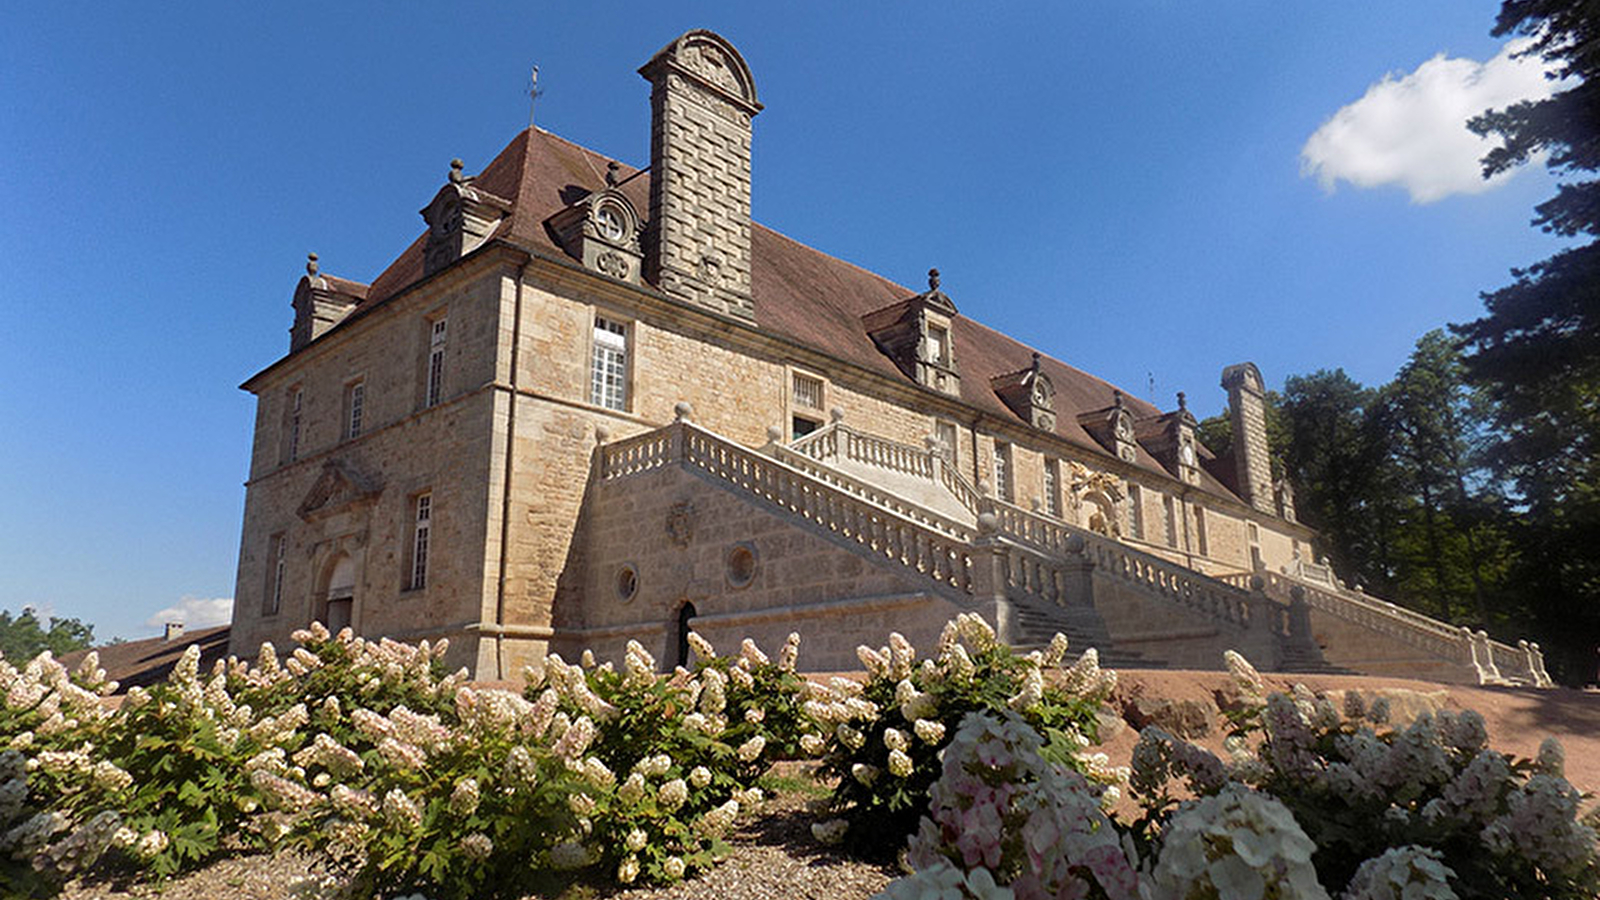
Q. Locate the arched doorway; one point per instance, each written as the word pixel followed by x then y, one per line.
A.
pixel 685 613
pixel 337 606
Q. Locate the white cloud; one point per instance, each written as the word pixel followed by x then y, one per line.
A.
pixel 195 612
pixel 1411 130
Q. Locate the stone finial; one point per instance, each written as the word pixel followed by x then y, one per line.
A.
pixel 988 524
pixel 682 411
pixel 933 279
pixel 774 434
pixel 611 173
pixel 601 434
pixel 1258 585
pixel 311 265
pixel 1116 399
pixel 1183 402
pixel 836 414
pixel 456 175
pixel 932 442
pixel 1075 543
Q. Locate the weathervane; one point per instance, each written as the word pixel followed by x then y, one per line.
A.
pixel 533 94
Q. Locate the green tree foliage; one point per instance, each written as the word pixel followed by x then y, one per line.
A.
pixel 23 637
pixel 1535 349
pixel 1336 465
pixel 1449 543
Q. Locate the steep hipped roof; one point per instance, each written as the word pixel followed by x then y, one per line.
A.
pixel 800 293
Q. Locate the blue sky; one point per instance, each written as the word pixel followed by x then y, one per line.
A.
pixel 1124 185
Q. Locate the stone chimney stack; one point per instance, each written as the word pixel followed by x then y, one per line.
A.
pixel 1247 404
pixel 174 631
pixel 697 244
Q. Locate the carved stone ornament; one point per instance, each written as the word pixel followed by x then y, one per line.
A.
pixel 680 523
pixel 611 263
pixel 337 488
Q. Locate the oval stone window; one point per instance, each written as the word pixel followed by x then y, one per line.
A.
pixel 741 565
pixel 627 583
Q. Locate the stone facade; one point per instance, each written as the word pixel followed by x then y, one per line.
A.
pixel 479 445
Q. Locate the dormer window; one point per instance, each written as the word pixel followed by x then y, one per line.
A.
pixel 602 231
pixel 916 334
pixel 1169 437
pixel 460 218
pixel 1030 394
pixel 1113 428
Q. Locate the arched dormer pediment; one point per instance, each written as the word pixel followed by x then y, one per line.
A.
pixel 602 231
pixel 1030 394
pixel 1112 427
pixel 709 59
pixel 460 218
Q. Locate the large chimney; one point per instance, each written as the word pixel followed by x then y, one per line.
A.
pixel 697 245
pixel 1247 405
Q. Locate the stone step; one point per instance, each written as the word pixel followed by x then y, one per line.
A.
pixel 1036 626
pixel 1302 662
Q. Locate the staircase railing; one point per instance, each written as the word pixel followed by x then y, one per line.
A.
pixel 839 441
pixel 1494 662
pixel 1209 596
pixel 870 492
pixel 946 559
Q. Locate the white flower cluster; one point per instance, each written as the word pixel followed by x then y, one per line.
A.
pixel 1402 873
pixel 1237 844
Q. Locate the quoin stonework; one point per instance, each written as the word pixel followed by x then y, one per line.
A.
pixel 593 403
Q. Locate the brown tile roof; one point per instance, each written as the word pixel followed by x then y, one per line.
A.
pixel 149 661
pixel 800 293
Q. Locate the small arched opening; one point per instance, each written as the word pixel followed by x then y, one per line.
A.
pixel 1102 514
pixel 686 613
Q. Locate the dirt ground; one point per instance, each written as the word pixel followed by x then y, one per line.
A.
pixel 1518 718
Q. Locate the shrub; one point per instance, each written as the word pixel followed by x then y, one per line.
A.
pixel 1036 827
pixel 1488 825
pixel 884 737
pixel 676 758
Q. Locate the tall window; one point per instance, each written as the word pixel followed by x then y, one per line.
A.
pixel 421 527
pixel 1002 471
pixel 1200 531
pixel 272 598
pixel 1135 512
pixel 436 336
pixel 297 398
pixel 946 432
pixel 1169 521
pixel 609 378
pixel 938 345
pixel 1052 487
pixel 355 397
pixel 806 399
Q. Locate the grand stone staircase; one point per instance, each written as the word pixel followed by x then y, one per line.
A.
pixel 906 507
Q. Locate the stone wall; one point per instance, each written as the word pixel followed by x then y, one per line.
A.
pixel 658 540
pixel 403 450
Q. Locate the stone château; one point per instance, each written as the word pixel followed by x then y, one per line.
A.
pixel 593 404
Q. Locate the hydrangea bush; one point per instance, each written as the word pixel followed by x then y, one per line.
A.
pixel 1472 822
pixel 882 738
pixel 1000 808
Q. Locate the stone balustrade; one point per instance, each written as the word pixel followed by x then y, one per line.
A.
pixel 946 559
